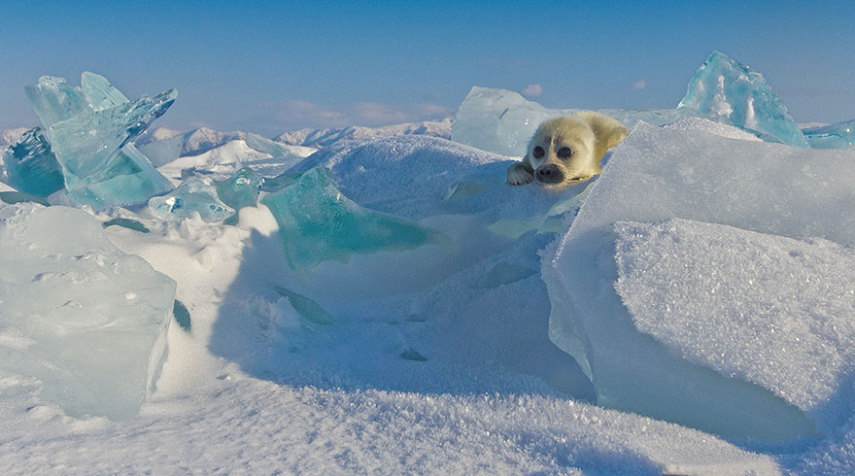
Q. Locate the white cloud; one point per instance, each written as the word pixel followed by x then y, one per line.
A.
pixel 639 84
pixel 532 90
pixel 307 114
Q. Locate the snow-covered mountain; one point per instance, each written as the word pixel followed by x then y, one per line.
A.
pixel 327 137
pixel 163 145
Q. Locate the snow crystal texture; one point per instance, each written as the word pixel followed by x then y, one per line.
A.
pixel 764 308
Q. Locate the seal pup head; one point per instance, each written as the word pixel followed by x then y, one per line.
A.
pixel 567 150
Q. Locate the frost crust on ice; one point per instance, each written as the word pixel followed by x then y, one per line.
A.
pixel 380 360
pixel 84 318
pixel 767 309
pixel 659 174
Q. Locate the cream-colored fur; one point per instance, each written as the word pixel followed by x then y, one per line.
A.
pixel 567 150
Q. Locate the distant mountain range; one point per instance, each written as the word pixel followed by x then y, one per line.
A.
pixel 164 145
pixel 325 137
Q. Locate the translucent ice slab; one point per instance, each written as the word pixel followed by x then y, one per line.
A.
pixel 128 179
pixel 193 196
pixel 835 136
pixel 78 314
pixel 241 190
pixel 90 129
pixel 727 91
pixel 318 223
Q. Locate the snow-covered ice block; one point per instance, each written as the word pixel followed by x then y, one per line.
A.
pixel 502 121
pixel 90 129
pixel 834 136
pixel 78 314
pixel 676 172
pixel 193 196
pixel 727 91
pixel 763 308
pixel 31 165
pixel 319 223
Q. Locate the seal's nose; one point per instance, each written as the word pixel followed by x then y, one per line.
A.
pixel 549 174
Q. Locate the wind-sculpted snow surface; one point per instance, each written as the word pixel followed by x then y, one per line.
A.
pixel 337 209
pixel 679 279
pixel 78 314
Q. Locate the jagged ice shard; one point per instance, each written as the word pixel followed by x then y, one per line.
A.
pixel 193 196
pixel 32 166
pixel 319 223
pixel 90 130
pixel 834 136
pixel 709 287
pixel 725 90
pixel 241 190
pixel 86 319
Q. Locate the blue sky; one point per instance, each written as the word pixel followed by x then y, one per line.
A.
pixel 269 67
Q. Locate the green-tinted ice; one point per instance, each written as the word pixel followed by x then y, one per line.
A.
pixel 32 166
pixel 730 92
pixel 834 136
pixel 318 223
pixel 241 190
pixel 194 195
pixel 90 129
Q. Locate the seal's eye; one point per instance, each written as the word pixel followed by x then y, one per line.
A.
pixel 538 152
pixel 564 152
